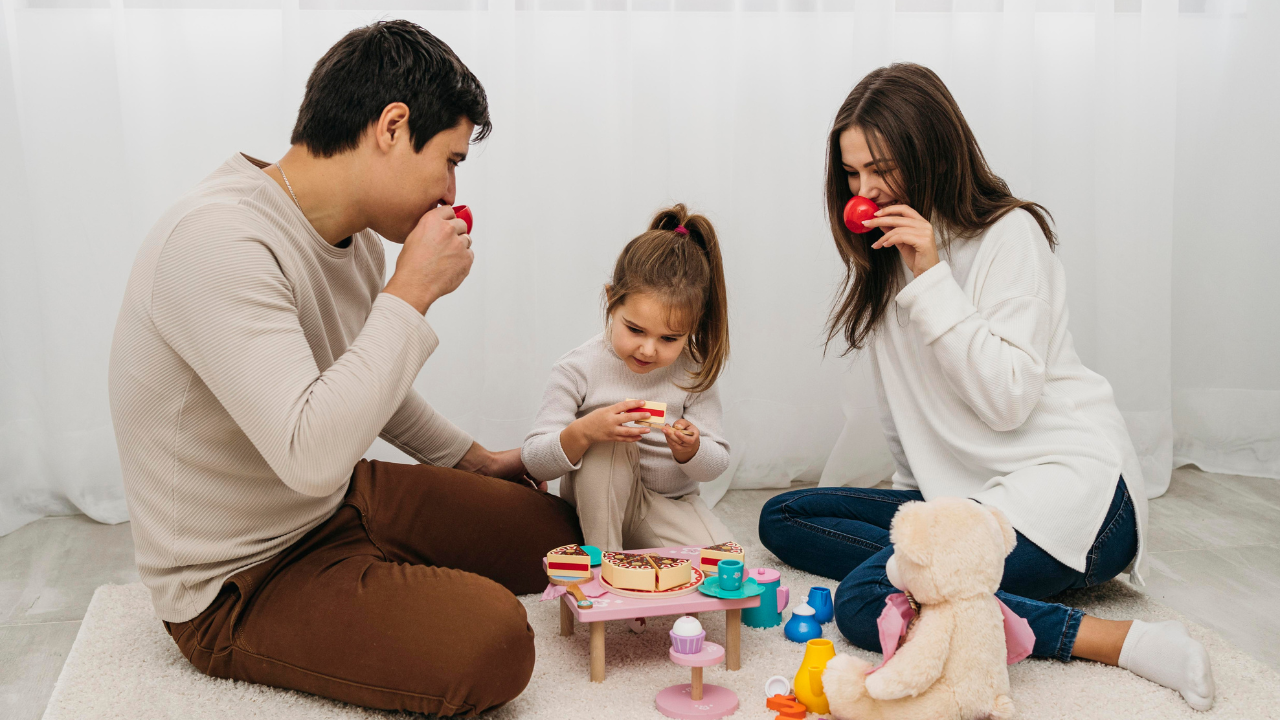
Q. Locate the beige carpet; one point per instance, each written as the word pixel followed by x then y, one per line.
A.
pixel 123 665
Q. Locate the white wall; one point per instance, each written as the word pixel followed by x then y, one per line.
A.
pixel 1148 134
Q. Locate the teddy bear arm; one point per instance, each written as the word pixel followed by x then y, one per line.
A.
pixel 918 664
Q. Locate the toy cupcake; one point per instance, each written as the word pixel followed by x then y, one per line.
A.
pixel 687 635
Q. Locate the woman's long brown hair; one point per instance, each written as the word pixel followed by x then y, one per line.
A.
pixel 685 271
pixel 910 120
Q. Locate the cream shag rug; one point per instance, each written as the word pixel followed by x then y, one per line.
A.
pixel 123 665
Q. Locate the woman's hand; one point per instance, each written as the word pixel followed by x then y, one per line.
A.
pixel 608 424
pixel 683 447
pixel 906 230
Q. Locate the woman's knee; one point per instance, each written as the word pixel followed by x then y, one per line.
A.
pixel 773 522
pixel 858 603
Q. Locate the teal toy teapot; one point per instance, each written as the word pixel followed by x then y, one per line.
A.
pixel 772 602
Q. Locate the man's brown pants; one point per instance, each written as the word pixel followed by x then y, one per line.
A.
pixel 401 601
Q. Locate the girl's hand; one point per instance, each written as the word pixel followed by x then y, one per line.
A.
pixel 683 447
pixel 608 424
pixel 910 233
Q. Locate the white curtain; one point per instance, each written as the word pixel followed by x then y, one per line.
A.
pixel 1146 126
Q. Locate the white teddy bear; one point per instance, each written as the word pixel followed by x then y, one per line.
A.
pixel 949 556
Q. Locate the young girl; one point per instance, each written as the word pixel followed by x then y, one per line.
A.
pixel 961 301
pixel 666 340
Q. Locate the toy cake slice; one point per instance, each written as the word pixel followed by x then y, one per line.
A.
pixel 711 556
pixel 569 561
pixel 657 413
pixel 645 572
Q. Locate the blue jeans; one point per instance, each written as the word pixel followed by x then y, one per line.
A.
pixel 843 534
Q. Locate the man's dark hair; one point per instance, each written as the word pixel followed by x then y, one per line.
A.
pixel 383 63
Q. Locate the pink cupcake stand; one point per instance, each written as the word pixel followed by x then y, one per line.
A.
pixel 694 700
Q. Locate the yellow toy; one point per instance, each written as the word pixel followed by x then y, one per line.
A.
pixel 808 683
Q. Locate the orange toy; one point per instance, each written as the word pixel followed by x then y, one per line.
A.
pixel 787 706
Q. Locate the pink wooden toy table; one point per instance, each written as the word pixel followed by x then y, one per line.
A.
pixel 614 607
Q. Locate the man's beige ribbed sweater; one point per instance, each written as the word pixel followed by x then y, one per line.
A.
pixel 253 364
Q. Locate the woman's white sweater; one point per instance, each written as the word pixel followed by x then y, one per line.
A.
pixel 982 394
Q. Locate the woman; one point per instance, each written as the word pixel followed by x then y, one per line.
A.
pixel 980 389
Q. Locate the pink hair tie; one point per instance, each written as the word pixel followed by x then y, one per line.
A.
pixel 681 231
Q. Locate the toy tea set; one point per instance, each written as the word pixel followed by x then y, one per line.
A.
pixel 948 561
pixel 671 580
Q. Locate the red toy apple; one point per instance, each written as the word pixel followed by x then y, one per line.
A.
pixel 463 213
pixel 856 211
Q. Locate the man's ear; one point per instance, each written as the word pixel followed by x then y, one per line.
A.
pixel 909 532
pixel 392 126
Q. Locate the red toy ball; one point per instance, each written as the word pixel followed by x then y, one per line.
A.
pixel 463 213
pixel 856 211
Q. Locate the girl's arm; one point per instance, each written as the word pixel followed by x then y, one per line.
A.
pixel 560 438
pixel 541 451
pixel 703 411
pixel 994 357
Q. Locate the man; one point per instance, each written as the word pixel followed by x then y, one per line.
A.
pixel 256 357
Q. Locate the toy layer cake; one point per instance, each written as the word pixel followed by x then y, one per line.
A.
pixel 711 556
pixel 657 413
pixel 644 572
pixel 569 561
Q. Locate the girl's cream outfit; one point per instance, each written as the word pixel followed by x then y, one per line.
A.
pixel 982 394
pixel 630 495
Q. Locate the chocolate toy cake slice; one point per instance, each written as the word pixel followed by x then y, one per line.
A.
pixel 711 556
pixel 569 561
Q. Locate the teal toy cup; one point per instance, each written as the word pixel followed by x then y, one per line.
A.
pixel 772 602
pixel 594 553
pixel 730 575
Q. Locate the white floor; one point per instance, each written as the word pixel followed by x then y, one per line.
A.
pixel 1214 542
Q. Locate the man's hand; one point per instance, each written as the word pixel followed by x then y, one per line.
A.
pixel 504 464
pixel 608 424
pixel 435 260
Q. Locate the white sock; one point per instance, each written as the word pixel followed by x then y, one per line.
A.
pixel 1164 653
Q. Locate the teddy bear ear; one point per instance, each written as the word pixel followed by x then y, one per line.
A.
pixel 1006 529
pixel 909 532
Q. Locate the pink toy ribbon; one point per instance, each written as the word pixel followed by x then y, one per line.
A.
pixel 897 615
pixel 591 589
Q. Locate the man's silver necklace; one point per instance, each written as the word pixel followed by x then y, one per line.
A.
pixel 286 184
pixel 295 199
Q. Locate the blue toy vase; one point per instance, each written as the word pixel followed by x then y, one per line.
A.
pixel 802 627
pixel 820 600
